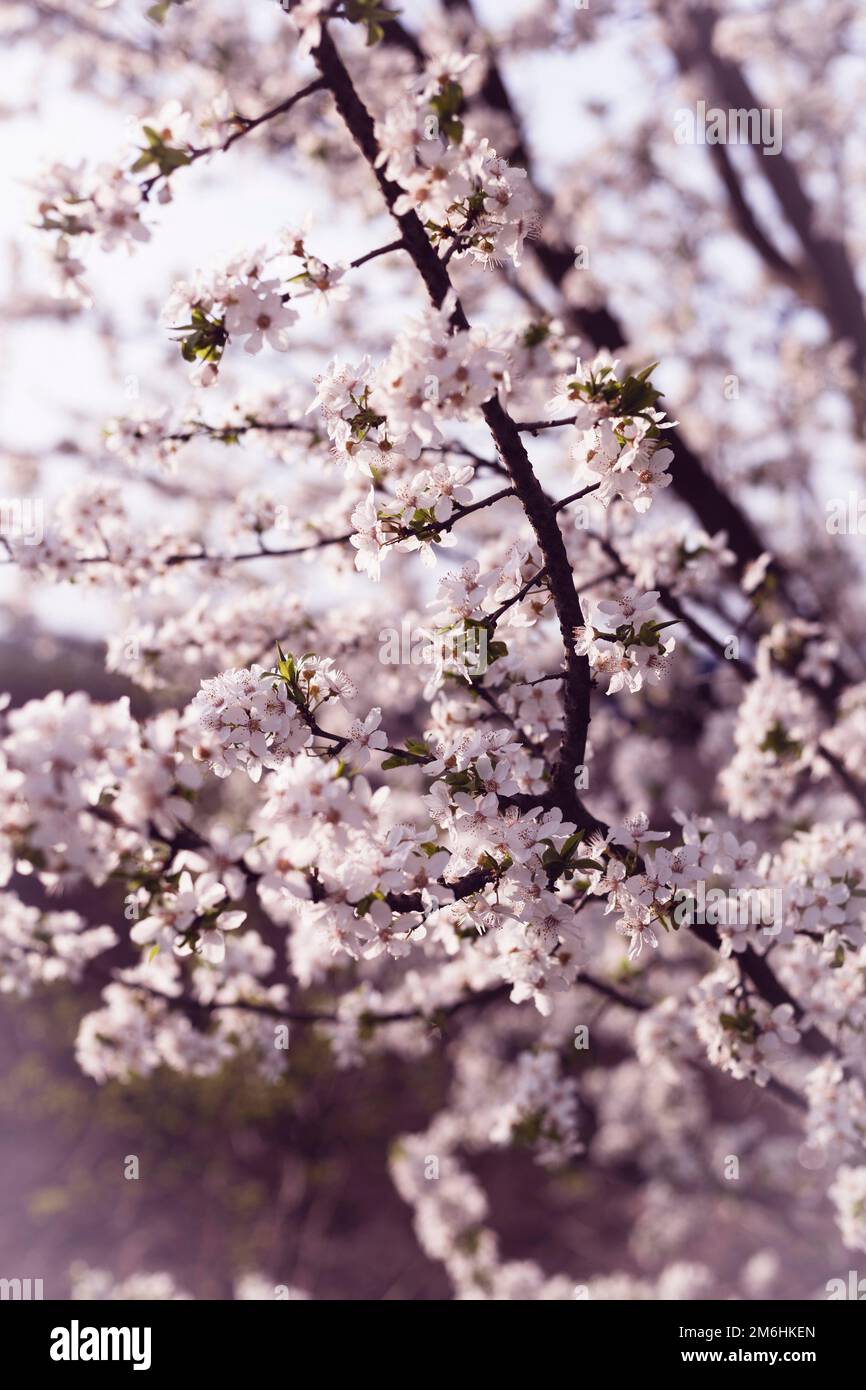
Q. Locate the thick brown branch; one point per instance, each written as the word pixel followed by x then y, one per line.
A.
pixel 577 684
pixel 826 256
pixel 691 478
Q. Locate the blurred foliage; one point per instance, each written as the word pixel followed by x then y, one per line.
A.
pixel 235 1173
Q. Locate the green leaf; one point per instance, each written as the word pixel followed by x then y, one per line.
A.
pixel 637 393
pixel 415 745
pixel 397 760
pixel 742 1023
pixel 371 14
pixel 570 845
pixel 535 334
pixel 286 666
pixel 647 372
pixel 778 742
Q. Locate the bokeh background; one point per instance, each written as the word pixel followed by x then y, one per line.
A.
pixel 289 1180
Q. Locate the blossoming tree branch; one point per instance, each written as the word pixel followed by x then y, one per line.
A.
pixel 597 837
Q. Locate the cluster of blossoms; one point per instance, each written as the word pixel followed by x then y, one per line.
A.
pixel 622 642
pixel 450 1208
pixel 376 882
pixel 93 537
pixel 776 735
pixel 746 1036
pixel 804 649
pixel 450 1219
pixel 379 420
pixel 430 497
pixel 206 636
pixel 472 593
pixel 849 1195
pixel 462 640
pixel 246 299
pixel 85 785
pixel 177 919
pixel 470 200
pixel 378 417
pixel 41 948
pixel 836 1123
pixel 618 449
pixel 90 1285
pixel 681 558
pixel 313 817
pixel 541 1110
pixel 657 887
pixel 157 434
pixel 246 719
pixel 742 1035
pixel 106 203
pixel 148 1013
pixel 210 634
pixel 847 739
pixel 414 519
pixel 822 871
pixel 242 299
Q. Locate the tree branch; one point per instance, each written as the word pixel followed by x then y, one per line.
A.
pixel 506 435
